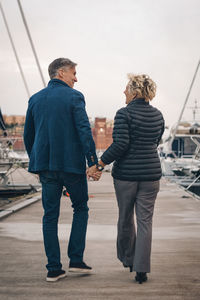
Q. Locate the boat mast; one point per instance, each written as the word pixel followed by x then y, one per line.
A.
pixel 186 100
pixel 15 52
pixel 194 110
pixel 31 42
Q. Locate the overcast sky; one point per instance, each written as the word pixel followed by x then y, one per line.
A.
pixel 108 39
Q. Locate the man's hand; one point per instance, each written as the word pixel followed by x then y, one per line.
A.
pixel 94 173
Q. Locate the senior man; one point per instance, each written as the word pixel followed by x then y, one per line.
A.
pixel 58 140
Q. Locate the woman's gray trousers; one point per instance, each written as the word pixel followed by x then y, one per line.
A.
pixel 134 246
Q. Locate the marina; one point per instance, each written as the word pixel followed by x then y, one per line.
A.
pixel 107 49
pixel 176 238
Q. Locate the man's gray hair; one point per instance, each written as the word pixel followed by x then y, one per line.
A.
pixel 59 63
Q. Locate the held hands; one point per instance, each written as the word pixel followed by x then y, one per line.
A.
pixel 94 173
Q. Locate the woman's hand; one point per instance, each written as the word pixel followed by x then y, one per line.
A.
pixel 94 173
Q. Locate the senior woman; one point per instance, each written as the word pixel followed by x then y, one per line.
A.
pixel 138 129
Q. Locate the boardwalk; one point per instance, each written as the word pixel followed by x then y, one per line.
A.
pixel 175 254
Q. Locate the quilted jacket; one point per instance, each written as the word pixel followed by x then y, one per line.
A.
pixel 138 129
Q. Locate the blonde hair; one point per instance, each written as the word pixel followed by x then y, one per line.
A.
pixel 143 85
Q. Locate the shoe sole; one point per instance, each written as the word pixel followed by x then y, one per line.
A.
pixel 78 270
pixel 53 279
pixel 141 281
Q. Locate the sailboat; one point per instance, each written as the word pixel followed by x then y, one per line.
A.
pixel 10 161
pixel 180 151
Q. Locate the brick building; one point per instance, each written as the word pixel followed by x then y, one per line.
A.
pixel 102 133
pixel 15 128
pixel 17 120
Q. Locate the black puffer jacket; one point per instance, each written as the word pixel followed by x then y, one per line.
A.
pixel 138 128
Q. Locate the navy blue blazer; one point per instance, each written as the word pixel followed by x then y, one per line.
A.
pixel 57 133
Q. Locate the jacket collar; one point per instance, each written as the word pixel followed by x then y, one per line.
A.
pixel 57 81
pixel 140 101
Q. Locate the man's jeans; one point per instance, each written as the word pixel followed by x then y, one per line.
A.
pixel 52 186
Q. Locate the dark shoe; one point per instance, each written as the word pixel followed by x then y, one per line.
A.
pixel 141 277
pixel 55 275
pixel 130 267
pixel 79 267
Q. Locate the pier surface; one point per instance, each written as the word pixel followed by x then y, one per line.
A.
pixel 175 270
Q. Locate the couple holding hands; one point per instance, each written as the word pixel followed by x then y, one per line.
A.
pixel 59 141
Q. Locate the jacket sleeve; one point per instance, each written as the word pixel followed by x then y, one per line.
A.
pixel 162 131
pixel 29 131
pixel 84 131
pixel 120 138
